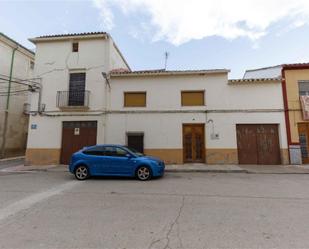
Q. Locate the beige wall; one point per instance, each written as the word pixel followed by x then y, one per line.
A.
pixel 292 77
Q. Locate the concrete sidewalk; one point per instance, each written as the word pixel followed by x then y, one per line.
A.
pixel 196 167
pixel 250 169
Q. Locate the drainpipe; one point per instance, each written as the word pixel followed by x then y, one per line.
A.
pixel 40 96
pixel 106 102
pixel 6 112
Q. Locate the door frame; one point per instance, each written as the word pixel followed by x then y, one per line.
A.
pixel 183 141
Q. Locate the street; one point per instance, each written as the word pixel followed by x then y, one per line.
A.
pixel 50 209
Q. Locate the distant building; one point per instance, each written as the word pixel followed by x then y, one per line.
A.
pixel 266 72
pixel 19 65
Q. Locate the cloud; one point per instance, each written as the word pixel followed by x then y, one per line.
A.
pixel 179 21
pixel 106 15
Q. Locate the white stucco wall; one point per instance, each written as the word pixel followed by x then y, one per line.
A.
pixel 164 131
pixel 164 93
pixel 227 105
pixel 48 132
pixel 116 59
pixel 54 63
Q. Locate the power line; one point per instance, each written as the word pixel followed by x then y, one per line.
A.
pixel 17 82
pixel 18 79
pixel 13 92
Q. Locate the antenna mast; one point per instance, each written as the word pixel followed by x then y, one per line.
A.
pixel 166 55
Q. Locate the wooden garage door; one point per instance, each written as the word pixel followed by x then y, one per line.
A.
pixel 258 144
pixel 75 136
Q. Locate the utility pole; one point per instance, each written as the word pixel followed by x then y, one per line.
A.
pixel 6 112
pixel 166 55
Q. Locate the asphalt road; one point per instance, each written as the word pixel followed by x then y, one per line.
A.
pixel 182 210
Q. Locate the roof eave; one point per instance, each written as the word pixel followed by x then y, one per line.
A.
pixel 69 37
pixel 254 81
pixel 139 74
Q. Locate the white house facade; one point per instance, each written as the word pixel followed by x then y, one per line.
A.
pixel 16 64
pixel 71 68
pixel 168 126
pixel 90 96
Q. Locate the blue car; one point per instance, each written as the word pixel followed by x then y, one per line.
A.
pixel 114 160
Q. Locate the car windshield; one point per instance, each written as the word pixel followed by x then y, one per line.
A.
pixel 134 151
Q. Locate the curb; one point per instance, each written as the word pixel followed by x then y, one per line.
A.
pixel 12 158
pixel 277 173
pixel 205 171
pixel 232 171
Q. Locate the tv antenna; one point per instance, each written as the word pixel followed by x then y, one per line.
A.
pixel 166 55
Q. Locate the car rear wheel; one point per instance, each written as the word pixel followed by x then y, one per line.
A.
pixel 81 172
pixel 143 173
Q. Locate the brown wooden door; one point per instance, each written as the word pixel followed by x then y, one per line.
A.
pixel 303 132
pixel 246 144
pixel 75 136
pixel 258 144
pixel 193 143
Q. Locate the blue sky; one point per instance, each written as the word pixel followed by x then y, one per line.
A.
pixel 201 34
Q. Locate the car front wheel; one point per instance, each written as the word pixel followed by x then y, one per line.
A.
pixel 81 172
pixel 143 173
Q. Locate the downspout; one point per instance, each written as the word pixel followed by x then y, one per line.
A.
pixel 40 97
pixel 106 102
pixel 6 112
pixel 286 111
pixel 286 108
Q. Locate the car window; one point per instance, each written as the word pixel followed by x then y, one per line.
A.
pixel 120 152
pixel 109 151
pixel 134 151
pixel 96 151
pixel 114 151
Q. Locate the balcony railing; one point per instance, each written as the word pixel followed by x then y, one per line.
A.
pixel 71 99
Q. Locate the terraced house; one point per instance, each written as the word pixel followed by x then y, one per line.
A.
pixel 90 95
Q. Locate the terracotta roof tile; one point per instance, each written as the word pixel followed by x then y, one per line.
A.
pixel 166 72
pixel 257 80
